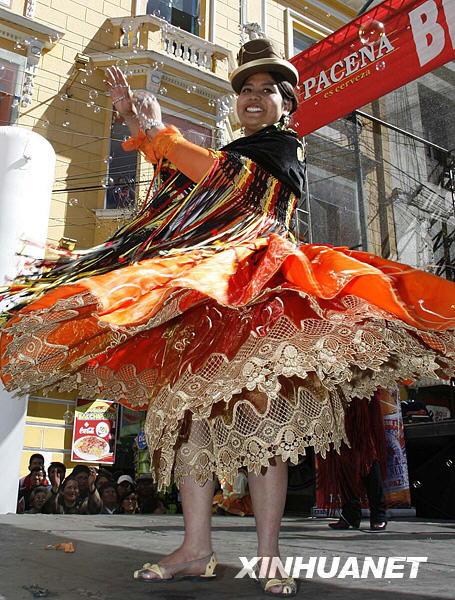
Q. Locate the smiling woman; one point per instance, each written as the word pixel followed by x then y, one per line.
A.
pixel 242 345
pixel 65 499
pixel 260 102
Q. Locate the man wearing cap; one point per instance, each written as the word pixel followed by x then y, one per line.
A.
pixel 125 485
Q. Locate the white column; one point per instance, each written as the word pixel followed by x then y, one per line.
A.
pixel 264 17
pixel 12 422
pixel 26 178
pixel 212 25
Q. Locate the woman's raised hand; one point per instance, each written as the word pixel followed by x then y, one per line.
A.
pixel 122 96
pixel 56 479
pixel 148 110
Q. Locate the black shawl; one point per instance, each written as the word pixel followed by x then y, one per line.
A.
pixel 279 151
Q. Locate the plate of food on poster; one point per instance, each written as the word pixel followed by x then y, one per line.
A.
pixel 91 447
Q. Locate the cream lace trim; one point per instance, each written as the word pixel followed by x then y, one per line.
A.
pixel 255 429
pixel 351 351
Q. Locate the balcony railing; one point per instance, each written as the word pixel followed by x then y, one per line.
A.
pixel 148 32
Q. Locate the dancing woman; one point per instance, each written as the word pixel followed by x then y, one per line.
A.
pixel 241 345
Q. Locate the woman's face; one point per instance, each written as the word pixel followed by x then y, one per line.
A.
pixel 129 504
pixel 71 492
pixel 260 103
pixel 39 500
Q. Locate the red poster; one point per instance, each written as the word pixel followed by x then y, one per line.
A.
pixel 387 47
pixel 95 423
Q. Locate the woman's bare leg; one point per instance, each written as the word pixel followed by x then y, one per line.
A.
pixel 268 494
pixel 197 519
pixel 197 507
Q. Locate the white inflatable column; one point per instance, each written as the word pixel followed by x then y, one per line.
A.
pixel 26 177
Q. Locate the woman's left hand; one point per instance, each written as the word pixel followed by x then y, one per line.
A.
pixel 148 111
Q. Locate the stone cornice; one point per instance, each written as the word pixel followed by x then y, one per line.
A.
pixel 11 21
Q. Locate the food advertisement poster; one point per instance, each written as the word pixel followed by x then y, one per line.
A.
pixel 95 423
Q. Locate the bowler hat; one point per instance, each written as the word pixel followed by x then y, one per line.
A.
pixel 257 56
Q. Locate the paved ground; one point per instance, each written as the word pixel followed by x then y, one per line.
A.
pixel 110 548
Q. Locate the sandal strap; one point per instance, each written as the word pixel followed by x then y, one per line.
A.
pixel 161 570
pixel 288 582
pixel 155 569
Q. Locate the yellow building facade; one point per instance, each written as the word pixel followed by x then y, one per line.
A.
pixel 56 53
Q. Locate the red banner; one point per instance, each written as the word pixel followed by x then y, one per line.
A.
pixel 95 423
pixel 385 48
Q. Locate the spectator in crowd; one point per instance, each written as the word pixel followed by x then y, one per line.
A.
pixel 37 478
pixel 125 485
pixel 81 474
pixel 38 498
pixel 65 498
pixel 109 498
pixel 36 460
pixel 345 476
pixel 148 501
pixel 235 498
pixel 56 465
pixel 104 476
pixel 128 504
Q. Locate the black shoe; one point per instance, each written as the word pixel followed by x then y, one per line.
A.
pixel 342 524
pixel 380 526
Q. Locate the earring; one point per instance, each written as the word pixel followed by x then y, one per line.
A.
pixel 286 120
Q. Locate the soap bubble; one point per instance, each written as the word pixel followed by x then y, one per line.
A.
pixel 66 123
pixel 380 66
pixel 122 62
pixel 73 202
pixel 417 484
pixel 371 32
pixel 93 94
pixel 108 159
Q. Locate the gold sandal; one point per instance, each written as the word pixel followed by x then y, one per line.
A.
pixel 163 571
pixel 288 585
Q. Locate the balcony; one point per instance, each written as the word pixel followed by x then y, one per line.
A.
pixel 150 33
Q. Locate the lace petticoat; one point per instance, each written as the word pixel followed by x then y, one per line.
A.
pixel 253 429
pixel 279 391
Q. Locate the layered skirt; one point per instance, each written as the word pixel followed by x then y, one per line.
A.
pixel 240 354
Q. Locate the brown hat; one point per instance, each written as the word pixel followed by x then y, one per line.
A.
pixel 257 56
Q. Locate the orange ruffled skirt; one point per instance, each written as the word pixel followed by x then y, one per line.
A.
pixel 240 354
